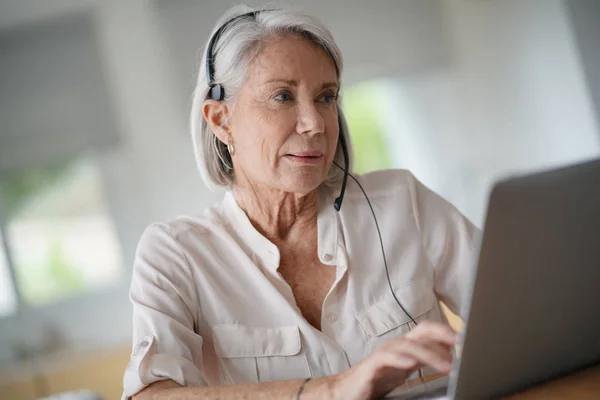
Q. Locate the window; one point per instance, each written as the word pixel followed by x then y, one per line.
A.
pixel 59 240
pixel 409 123
pixel 59 237
pixel 362 109
pixel 8 297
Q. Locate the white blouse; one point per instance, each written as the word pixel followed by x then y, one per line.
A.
pixel 210 307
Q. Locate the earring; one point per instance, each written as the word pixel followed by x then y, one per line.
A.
pixel 230 149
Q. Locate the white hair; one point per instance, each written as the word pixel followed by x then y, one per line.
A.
pixel 233 52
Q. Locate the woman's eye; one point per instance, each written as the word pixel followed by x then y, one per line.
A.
pixel 283 96
pixel 329 98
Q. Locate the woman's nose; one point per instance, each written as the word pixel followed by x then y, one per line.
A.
pixel 310 121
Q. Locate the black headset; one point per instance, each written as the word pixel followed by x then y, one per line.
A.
pixel 216 91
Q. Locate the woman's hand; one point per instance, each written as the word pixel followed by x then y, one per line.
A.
pixel 429 344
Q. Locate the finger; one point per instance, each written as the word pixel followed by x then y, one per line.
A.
pixel 407 354
pixel 443 345
pixel 427 354
pixel 442 349
pixel 432 331
pixel 397 360
pixel 389 370
pixel 432 328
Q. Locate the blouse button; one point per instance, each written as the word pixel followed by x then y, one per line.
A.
pixel 327 257
pixel 331 317
pixel 141 347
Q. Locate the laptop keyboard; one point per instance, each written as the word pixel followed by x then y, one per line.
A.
pixel 439 394
pixel 436 389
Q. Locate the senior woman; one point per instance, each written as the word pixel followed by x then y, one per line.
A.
pixel 272 293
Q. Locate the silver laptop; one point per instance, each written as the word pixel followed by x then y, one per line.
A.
pixel 535 303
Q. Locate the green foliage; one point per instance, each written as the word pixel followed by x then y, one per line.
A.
pixel 362 108
pixel 17 187
pixel 52 279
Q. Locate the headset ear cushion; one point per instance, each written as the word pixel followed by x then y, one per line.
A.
pixel 216 92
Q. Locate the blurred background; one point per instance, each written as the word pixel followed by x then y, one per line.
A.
pixel 94 143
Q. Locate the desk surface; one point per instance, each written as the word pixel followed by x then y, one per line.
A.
pixel 583 385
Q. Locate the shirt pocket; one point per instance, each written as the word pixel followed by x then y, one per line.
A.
pixel 385 320
pixel 259 354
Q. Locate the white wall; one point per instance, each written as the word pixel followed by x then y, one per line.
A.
pixel 53 100
pixel 514 99
pixel 523 95
pixel 377 38
pixel 18 13
pixel 585 22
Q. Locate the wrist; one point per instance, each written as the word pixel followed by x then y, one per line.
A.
pixel 333 387
pixel 337 386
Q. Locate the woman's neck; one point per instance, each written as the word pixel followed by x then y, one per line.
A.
pixel 277 214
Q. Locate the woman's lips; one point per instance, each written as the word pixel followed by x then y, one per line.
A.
pixel 309 153
pixel 306 157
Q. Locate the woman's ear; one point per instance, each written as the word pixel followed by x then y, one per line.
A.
pixel 216 114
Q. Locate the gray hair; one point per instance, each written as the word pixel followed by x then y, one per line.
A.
pixel 233 52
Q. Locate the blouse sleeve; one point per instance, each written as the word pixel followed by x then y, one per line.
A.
pixel 165 345
pixel 450 241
